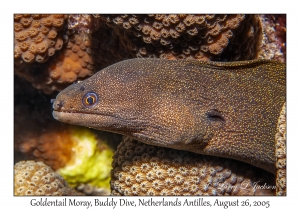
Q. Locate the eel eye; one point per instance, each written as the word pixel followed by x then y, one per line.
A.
pixel 90 99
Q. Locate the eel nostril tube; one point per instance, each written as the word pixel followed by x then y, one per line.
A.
pixel 58 105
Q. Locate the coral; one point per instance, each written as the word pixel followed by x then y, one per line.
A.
pixel 82 23
pixel 32 118
pixel 75 153
pixel 37 37
pixel 280 153
pixel 80 57
pixel 36 178
pixel 53 146
pixel 274 37
pixel 88 43
pixel 73 63
pixel 140 169
pixel 87 189
pixel 202 37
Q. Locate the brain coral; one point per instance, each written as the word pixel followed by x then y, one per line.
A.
pixel 36 178
pixel 140 169
pixel 202 37
pixel 37 37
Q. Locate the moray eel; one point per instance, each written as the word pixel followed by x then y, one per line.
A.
pixel 225 109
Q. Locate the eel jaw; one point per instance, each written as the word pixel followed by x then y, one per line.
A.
pixel 134 129
pixel 68 117
pixel 99 121
pixel 60 116
pixel 96 121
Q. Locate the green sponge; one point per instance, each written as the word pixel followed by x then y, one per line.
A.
pixel 91 162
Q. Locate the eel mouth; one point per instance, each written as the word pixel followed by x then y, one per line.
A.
pixel 81 118
pixel 91 120
pixel 99 121
pixel 60 115
pixel 67 116
pixel 134 128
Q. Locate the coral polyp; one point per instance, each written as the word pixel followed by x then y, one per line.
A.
pixel 52 51
pixel 36 178
pixel 197 175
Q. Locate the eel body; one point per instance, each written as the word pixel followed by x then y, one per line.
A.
pixel 227 109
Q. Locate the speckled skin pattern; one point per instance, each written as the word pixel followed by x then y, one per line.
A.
pixel 225 109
